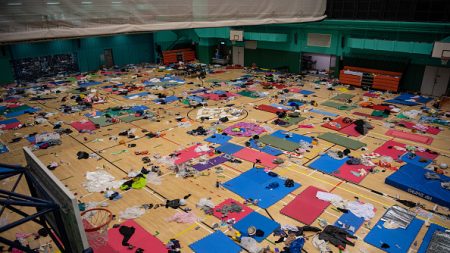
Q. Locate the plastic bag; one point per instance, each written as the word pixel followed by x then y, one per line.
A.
pixel 132 213
pixel 250 245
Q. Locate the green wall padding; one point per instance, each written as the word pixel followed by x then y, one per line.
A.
pixel 6 71
pixel 266 58
pixel 412 78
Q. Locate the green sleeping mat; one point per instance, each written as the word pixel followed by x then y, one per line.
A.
pixel 343 97
pixel 338 106
pixel 279 143
pixel 342 141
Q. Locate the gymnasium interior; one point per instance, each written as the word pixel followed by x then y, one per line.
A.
pixel 207 126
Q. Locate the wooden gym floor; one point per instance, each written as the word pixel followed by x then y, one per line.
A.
pixel 72 171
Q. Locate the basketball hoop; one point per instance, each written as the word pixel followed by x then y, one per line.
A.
pixel 95 222
pixel 444 60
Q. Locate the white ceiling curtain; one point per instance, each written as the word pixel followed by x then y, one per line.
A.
pixel 45 19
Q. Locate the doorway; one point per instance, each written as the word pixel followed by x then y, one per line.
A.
pixel 238 56
pixel 317 63
pixel 435 81
pixel 108 56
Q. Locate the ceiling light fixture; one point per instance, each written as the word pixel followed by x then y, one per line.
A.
pixel 52 3
pixel 14 4
pixel 116 2
pixel 86 2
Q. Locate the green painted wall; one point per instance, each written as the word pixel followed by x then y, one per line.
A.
pixel 274 59
pixel 6 72
pixel 127 49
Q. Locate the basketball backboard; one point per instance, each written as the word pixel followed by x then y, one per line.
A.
pixel 66 222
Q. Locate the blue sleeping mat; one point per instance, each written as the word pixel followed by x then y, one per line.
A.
pixel 259 221
pixel 399 240
pixel 401 102
pixel 21 112
pixel 427 238
pixel 254 184
pixel 218 138
pixel 411 178
pixel 306 92
pixel 327 164
pixel 349 220
pixel 216 242
pixel 330 114
pixel 3 149
pixel 87 84
pixel 415 161
pixel 266 149
pixel 142 94
pixel 229 148
pixel 295 137
pixel 139 108
pixel 166 100
pixel 8 121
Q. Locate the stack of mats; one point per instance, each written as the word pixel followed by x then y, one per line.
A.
pixel 254 184
pixel 399 240
pixel 342 141
pixel 9 124
pixel 140 239
pixel 411 178
pixel 306 207
pixel 259 221
pixel 216 242
pixel 410 136
pixel 338 106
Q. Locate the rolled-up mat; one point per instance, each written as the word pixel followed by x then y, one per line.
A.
pixel 410 136
pixel 306 207
pixel 342 141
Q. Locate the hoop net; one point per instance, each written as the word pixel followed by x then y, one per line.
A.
pixel 444 60
pixel 95 222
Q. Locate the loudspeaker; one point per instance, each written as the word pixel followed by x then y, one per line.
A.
pixel 342 42
pixel 78 43
pixel 295 38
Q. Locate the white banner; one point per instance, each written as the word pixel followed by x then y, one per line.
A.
pixel 45 19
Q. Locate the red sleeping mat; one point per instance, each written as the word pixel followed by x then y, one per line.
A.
pixel 429 129
pixel 345 172
pixel 305 208
pixel 387 149
pixel 86 126
pixel 268 108
pixel 350 130
pixel 188 154
pixel 251 155
pixel 381 107
pixel 232 215
pixel 140 239
pixel 410 136
pixel 336 124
